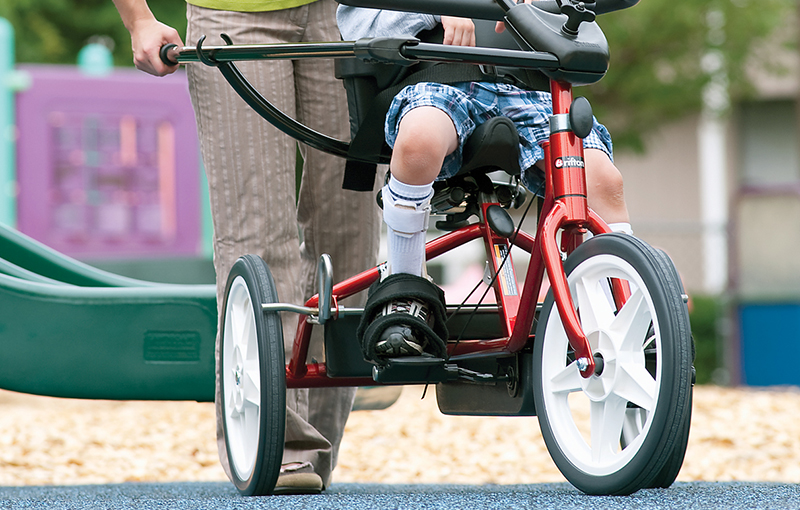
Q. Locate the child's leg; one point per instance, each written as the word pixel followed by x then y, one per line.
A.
pixel 405 311
pixel 605 190
pixel 426 135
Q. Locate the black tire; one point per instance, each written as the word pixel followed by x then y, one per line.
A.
pixel 670 472
pixel 251 352
pixel 641 401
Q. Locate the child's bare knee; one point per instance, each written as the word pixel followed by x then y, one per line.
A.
pixel 425 136
pixel 613 184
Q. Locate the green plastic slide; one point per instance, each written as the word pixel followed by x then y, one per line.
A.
pixel 70 330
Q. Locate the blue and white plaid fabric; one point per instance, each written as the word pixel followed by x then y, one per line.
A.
pixel 471 103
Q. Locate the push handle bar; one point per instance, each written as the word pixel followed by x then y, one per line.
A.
pixel 480 9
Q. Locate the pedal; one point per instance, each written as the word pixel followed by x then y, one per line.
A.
pixel 414 370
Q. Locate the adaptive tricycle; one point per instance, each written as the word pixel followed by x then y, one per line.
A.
pixel 612 334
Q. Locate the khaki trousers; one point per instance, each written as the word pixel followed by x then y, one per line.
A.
pixel 251 175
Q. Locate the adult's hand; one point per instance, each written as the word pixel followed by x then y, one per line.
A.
pixel 148 35
pixel 147 38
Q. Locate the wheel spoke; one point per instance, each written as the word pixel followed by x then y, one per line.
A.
pixel 595 308
pixel 252 384
pixel 567 380
pixel 238 321
pixel 230 400
pixel 248 338
pixel 252 370
pixel 632 426
pixel 250 425
pixel 606 426
pixel 631 324
pixel 635 384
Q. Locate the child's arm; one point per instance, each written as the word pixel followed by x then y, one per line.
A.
pixel 357 22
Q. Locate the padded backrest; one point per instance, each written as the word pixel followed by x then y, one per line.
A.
pixel 365 80
pixel 495 145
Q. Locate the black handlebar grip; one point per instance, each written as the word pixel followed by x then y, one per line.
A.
pixel 164 53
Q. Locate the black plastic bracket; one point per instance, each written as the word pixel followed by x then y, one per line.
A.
pixel 415 370
pixel 385 50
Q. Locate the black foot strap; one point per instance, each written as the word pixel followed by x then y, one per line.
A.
pixel 396 287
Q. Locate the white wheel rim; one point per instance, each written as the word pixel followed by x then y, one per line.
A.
pixel 593 444
pixel 241 379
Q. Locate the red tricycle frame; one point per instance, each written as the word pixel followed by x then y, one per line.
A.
pixel 565 207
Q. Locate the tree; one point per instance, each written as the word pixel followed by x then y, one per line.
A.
pixel 657 53
pixel 53 31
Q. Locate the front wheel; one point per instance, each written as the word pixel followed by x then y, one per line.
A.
pixel 253 378
pixel 618 430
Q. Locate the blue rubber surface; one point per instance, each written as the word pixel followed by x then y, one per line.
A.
pixel 196 496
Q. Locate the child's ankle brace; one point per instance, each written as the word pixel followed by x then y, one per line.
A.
pixel 405 217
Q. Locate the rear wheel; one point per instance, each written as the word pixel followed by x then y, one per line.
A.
pixel 253 378
pixel 619 430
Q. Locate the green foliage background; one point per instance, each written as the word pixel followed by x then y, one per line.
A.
pixel 53 31
pixel 656 49
pixel 705 315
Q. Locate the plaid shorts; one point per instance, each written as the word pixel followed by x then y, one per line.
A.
pixel 471 103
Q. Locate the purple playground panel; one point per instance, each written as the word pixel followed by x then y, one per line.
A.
pixel 108 167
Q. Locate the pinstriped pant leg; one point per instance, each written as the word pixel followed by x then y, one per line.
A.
pixel 250 167
pixel 344 224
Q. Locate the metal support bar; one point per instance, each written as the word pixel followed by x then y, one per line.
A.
pixel 308 310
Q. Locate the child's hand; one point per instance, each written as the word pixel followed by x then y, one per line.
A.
pixel 458 31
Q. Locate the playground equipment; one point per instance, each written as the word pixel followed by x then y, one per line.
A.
pixel 70 330
pixel 66 328
pixel 613 333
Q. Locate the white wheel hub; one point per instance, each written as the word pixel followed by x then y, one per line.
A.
pixel 598 387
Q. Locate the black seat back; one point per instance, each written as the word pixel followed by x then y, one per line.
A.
pixel 493 146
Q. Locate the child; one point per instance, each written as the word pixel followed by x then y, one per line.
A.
pixel 426 126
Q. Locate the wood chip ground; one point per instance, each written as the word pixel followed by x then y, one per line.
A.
pixel 737 434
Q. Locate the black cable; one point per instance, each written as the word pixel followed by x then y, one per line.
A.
pixel 494 278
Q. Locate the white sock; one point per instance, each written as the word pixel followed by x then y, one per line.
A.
pixel 407 250
pixel 622 227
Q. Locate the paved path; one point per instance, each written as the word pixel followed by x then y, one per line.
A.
pixel 200 496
